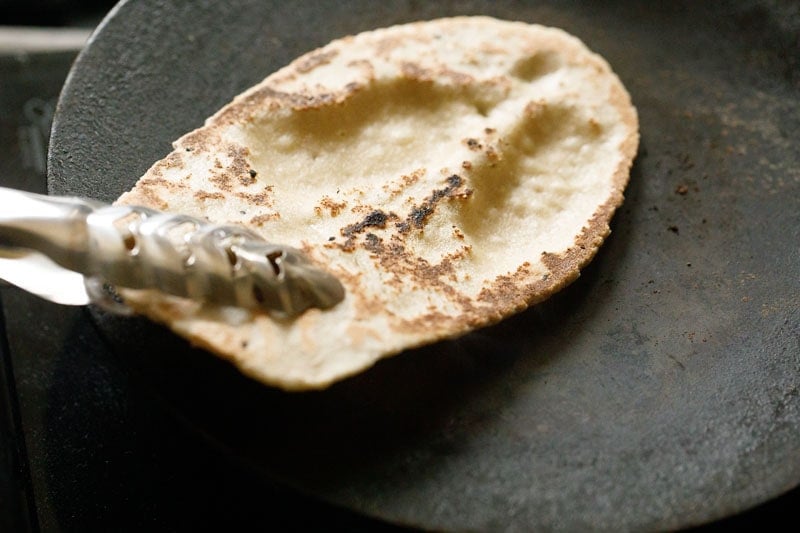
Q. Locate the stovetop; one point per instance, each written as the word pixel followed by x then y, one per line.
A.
pixel 86 444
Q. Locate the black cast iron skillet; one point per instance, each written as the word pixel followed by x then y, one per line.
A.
pixel 658 391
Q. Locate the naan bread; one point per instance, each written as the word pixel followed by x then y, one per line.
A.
pixel 449 173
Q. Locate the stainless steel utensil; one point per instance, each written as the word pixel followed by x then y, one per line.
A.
pixel 76 251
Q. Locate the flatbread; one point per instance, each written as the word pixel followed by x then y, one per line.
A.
pixel 449 173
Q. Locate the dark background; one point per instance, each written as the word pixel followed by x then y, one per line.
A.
pixel 53 12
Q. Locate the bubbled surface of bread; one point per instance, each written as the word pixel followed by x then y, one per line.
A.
pixel 449 173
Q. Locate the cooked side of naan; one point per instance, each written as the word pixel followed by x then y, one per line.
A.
pixel 449 173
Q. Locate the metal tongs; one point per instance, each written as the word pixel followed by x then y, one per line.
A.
pixel 76 251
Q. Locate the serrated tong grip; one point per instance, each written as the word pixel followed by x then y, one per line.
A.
pixel 140 248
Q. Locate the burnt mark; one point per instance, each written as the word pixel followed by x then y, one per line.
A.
pixel 417 217
pixel 373 243
pixel 375 219
pixel 420 213
pixel 473 144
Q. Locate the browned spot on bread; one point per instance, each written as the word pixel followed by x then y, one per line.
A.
pixel 456 77
pixel 205 195
pixel 367 69
pixel 258 199
pixel 492 154
pixel 360 333
pixel 411 179
pixel 161 182
pixel 333 207
pixel 362 209
pixel 314 60
pixel 409 269
pixel 238 168
pixel 260 220
pixel 221 180
pixel 504 291
pixel 239 165
pixel 152 199
pixel 406 180
pixel 386 45
pixel 198 141
pixel 173 160
pixel 433 320
pixel 266 99
pixel 413 71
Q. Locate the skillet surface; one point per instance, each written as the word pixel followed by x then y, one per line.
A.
pixel 658 391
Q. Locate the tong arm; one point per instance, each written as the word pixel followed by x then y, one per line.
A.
pixel 140 248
